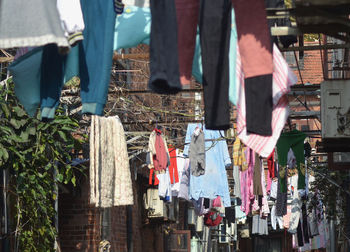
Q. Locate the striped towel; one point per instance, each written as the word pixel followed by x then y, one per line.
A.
pixel 283 79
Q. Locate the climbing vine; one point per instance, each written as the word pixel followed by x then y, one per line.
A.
pixel 37 155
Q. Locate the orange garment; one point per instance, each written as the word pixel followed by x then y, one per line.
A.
pixel 174 175
pixel 150 180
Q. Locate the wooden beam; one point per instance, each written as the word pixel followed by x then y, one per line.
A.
pixel 135 56
pixel 6 59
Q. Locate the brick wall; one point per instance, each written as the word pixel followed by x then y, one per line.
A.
pixel 311 67
pixel 79 222
pixel 79 228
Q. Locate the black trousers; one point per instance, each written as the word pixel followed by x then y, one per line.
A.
pixel 215 31
pixel 164 64
pixel 258 95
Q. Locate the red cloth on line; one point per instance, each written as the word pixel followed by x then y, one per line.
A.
pixel 271 164
pixel 160 160
pixel 174 174
pixel 187 13
pixel 150 180
pixel 212 222
pixel 254 40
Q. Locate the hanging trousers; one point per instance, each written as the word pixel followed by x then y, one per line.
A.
pixel 164 64
pixel 256 52
pixel 214 20
pixel 215 31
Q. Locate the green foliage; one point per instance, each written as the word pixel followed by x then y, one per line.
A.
pixel 37 154
pixel 311 37
pixel 331 187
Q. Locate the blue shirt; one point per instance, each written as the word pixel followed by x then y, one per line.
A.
pixel 214 181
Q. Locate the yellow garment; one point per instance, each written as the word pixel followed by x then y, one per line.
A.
pixel 237 152
pixel 244 163
pixel 239 155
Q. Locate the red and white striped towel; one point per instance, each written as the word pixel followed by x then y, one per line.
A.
pixel 283 79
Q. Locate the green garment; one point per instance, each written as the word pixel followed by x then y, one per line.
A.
pixel 292 140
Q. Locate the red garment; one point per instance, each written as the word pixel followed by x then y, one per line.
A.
pixel 253 37
pixel 150 180
pixel 173 166
pixel 271 164
pixel 212 222
pixel 187 13
pixel 160 159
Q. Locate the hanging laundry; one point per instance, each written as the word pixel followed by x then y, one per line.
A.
pixel 110 178
pixel 271 164
pixel 213 55
pixel 295 206
pixel 164 65
pixel 199 207
pixel 265 210
pixel 197 153
pixel 283 78
pixel 257 186
pixel 281 201
pixel 185 181
pixel 132 28
pixel 158 149
pixel 187 13
pixel 138 3
pixel 91 60
pixel 212 219
pixel 72 21
pixel 173 168
pixel 292 140
pixel 118 6
pixel 259 225
pixel 276 219
pixel 36 23
pixel 247 182
pixel 214 182
pixel 181 162
pixel 255 48
pixel 164 186
pixel 215 31
pixel 26 70
pixel 187 19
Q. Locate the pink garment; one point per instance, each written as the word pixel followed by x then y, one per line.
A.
pixel 247 182
pixel 286 218
pixel 283 78
pixel 217 202
pixel 160 160
pixel 265 210
pixel 244 190
pixel 253 37
pixel 187 13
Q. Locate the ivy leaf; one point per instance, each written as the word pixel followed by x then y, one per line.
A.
pixel 5 109
pixel 62 135
pixel 59 177
pixel 24 136
pixel 19 111
pixel 73 180
pixel 31 130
